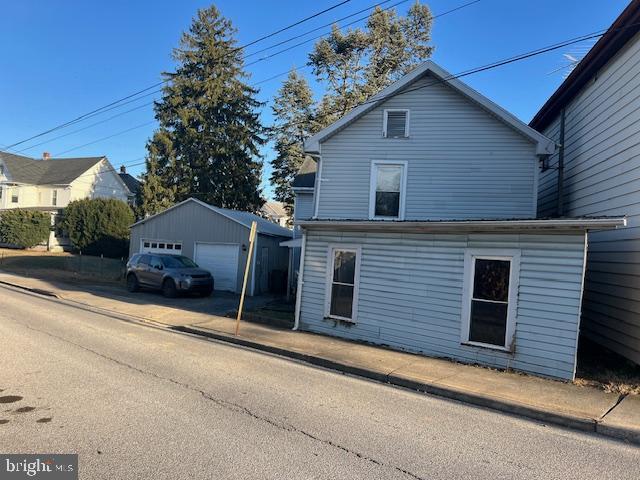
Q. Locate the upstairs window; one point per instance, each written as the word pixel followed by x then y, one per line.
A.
pixel 14 195
pixel 396 124
pixel 388 180
pixel 490 287
pixel 54 198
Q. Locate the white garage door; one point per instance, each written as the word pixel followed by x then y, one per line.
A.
pixel 160 246
pixel 221 259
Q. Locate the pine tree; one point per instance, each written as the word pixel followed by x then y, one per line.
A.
pixel 154 196
pixel 293 113
pixel 359 63
pixel 207 145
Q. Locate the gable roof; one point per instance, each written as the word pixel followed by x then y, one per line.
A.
pixel 616 37
pixel 265 227
pixel 275 209
pixel 132 183
pixel 306 176
pixel 544 146
pixel 55 171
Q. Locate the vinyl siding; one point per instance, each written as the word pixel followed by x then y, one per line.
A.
pixel 411 294
pixel 462 161
pixel 602 177
pixel 302 209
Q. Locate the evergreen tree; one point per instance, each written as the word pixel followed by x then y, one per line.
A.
pixel 293 113
pixel 359 63
pixel 207 145
pixel 154 196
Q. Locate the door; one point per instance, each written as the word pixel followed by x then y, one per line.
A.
pixel 221 259
pixel 155 272
pixel 148 245
pixel 264 270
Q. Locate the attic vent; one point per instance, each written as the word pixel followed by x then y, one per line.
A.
pixel 396 123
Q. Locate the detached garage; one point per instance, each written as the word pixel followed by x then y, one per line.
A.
pixel 217 239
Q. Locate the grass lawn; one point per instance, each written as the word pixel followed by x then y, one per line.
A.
pixel 61 266
pixel 602 368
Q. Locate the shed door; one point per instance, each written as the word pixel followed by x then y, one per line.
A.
pixel 221 259
pixel 148 245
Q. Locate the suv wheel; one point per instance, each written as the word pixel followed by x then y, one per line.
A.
pixel 169 288
pixel 132 283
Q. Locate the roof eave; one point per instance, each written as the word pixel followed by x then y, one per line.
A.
pixel 580 224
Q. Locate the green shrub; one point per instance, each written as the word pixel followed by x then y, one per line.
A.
pixel 24 228
pixel 99 226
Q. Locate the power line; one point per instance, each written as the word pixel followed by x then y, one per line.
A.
pixel 106 138
pixel 157 84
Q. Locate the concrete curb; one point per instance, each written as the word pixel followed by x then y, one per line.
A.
pixel 39 291
pixel 513 408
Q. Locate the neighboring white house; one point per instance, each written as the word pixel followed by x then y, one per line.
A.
pixel 49 184
pixel 423 234
pixel 598 105
pixel 275 212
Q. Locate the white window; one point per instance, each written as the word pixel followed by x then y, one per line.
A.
pixel 14 195
pixel 490 296
pixel 54 197
pixel 396 123
pixel 342 282
pixel 388 185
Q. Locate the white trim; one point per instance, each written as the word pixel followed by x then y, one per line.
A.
pixel 544 145
pixel 385 120
pixel 296 321
pixel 467 225
pixel 316 188
pixel 470 256
pixel 342 247
pixel 302 189
pixel 372 188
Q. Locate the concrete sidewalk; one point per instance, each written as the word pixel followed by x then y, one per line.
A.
pixel 549 401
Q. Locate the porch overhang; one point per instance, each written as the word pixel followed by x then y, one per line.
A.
pixel 465 226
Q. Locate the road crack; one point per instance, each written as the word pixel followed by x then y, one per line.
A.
pixel 234 407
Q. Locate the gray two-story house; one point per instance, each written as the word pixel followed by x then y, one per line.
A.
pixel 421 233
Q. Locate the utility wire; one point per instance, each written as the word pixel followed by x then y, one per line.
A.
pixel 157 84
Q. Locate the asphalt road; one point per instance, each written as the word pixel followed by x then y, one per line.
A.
pixel 136 402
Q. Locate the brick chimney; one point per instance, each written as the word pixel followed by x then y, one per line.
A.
pixel 123 169
pixel 46 156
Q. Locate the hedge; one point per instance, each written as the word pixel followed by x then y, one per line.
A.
pixel 24 228
pixel 98 226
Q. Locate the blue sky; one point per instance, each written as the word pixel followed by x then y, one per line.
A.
pixel 64 58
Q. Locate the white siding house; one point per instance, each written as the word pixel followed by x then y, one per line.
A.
pixel 50 184
pixel 601 176
pixel 424 234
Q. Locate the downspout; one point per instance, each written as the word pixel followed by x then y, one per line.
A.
pixel 296 322
pixel 560 206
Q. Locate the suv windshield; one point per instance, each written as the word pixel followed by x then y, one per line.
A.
pixel 178 261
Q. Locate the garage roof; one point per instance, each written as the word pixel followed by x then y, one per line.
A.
pixel 265 227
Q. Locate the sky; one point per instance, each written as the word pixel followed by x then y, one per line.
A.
pixel 61 59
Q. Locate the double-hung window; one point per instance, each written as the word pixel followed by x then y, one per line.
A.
pixel 14 195
pixel 342 282
pixel 388 185
pixel 54 197
pixel 490 286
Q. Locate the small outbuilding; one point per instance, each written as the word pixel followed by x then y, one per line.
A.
pixel 217 239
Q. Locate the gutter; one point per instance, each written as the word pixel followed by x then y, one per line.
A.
pixel 296 322
pixel 602 223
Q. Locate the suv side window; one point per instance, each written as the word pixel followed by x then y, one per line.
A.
pixel 143 260
pixel 156 262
